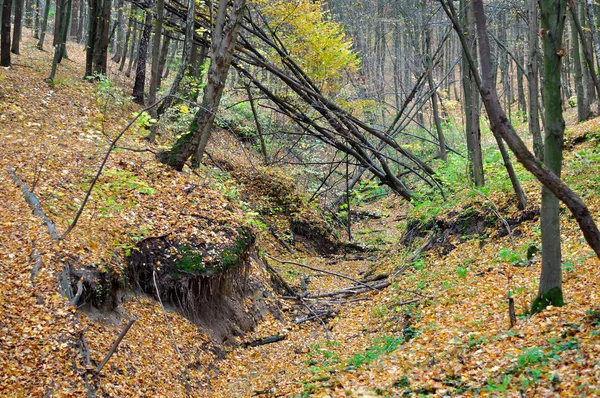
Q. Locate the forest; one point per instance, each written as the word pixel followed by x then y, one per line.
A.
pixel 304 198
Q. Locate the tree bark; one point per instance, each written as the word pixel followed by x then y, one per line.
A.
pixel 140 73
pixel 224 37
pixel 18 27
pixel 533 79
pixel 127 43
pixel 471 100
pixel 44 27
pixel 119 52
pixel 5 33
pixel 185 58
pixel 133 44
pixel 155 71
pixel 75 18
pixel 552 17
pixel 62 37
pixel 36 20
pixel 583 107
pixel 434 104
pixel 93 12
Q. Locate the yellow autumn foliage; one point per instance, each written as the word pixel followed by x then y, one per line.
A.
pixel 316 43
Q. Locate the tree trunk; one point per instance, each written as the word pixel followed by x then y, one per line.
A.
pixel 93 12
pixel 75 19
pixel 119 48
pixel 155 71
pixel 224 37
pixel 471 100
pixel 127 43
pixel 18 28
pixel 57 15
pixel 589 58
pixel 583 107
pixel 44 27
pixel 552 13
pixel 164 50
pixel 140 72
pixel 533 79
pixel 185 58
pixel 5 33
pixel 133 44
pixel 62 37
pixel 36 20
pixel 102 37
pixel 434 104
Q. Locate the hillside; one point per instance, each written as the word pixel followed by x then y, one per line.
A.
pixel 434 321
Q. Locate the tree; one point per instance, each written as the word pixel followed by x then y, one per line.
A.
pixel 471 101
pixel 40 43
pixel 552 17
pixel 155 71
pixel 140 71
pixel 18 27
pixel 5 33
pixel 224 37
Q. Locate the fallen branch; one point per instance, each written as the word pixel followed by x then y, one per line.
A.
pixel 36 258
pixel 265 340
pixel 115 345
pixel 428 241
pixel 35 205
pixel 323 271
pixel 321 314
pixel 286 286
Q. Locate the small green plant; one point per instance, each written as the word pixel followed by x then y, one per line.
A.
pixel 380 346
pixel 500 386
pixel 462 272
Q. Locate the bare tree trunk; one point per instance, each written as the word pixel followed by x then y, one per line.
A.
pixel 583 107
pixel 552 13
pixel 163 58
pixel 18 27
pixel 36 20
pixel 126 44
pixel 261 138
pixel 471 99
pixel 434 104
pixel 119 48
pixel 155 71
pixel 185 58
pixel 140 72
pixel 133 44
pixel 44 27
pixel 5 33
pixel 223 40
pixel 75 18
pixel 62 37
pixel 533 79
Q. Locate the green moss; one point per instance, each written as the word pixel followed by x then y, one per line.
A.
pixel 190 261
pixel 231 257
pixel 553 297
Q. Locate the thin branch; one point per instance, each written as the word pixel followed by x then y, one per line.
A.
pixel 101 168
pixel 322 271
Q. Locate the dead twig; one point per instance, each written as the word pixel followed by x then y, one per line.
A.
pixel 115 344
pixel 323 271
pixel 35 205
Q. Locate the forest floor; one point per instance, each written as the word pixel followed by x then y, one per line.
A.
pixel 441 328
